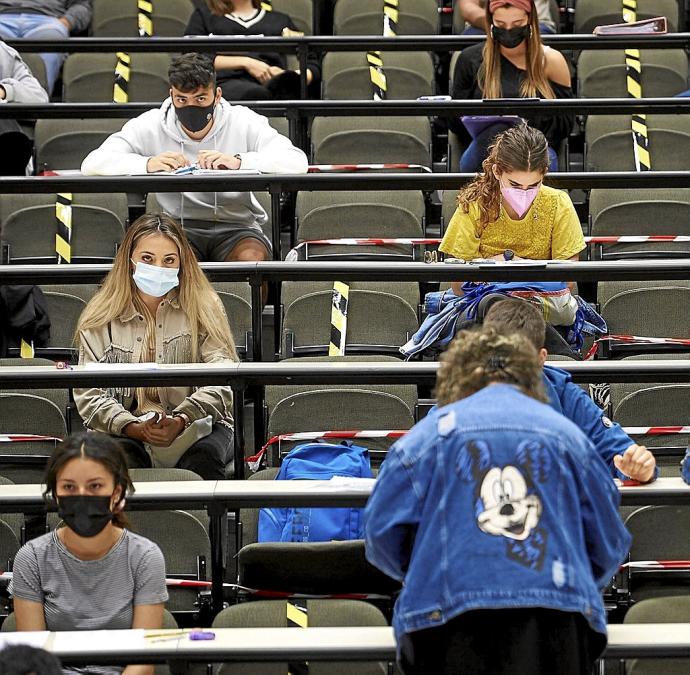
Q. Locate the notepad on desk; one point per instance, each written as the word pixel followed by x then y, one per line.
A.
pixel 195 170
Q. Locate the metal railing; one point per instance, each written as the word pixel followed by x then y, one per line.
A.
pixel 333 43
pixel 242 376
pixel 301 47
pixel 256 274
pixel 277 185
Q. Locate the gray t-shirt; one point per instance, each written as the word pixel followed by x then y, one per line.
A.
pixel 90 594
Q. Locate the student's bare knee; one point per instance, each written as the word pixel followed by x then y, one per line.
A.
pixel 248 250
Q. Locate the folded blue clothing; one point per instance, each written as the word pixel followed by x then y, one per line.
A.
pixel 445 311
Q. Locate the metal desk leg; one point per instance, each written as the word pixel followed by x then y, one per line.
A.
pixel 257 320
pixel 238 414
pixel 217 527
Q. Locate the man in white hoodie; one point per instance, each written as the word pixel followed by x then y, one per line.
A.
pixel 196 126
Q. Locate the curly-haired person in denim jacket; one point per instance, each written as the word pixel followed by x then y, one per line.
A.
pixel 500 519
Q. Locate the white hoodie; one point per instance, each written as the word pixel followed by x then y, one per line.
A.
pixel 236 130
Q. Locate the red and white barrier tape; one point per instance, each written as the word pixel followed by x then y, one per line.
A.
pixel 255 460
pixel 374 241
pixel 192 583
pixel 331 168
pixel 6 577
pixel 636 339
pixel 27 438
pixel 637 239
pixel 656 431
pixel 387 241
pixel 657 564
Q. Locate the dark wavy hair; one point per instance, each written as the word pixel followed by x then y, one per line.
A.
pixel 191 71
pixel 98 447
pixel 27 660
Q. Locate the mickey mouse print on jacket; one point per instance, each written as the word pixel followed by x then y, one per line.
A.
pixel 495 501
pixel 507 503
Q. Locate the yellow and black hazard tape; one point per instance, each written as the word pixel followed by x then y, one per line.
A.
pixel 123 71
pixel 633 79
pixel 339 304
pixel 63 235
pixel 145 17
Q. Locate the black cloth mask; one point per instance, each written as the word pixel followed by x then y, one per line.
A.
pixel 195 117
pixel 510 37
pixel 86 515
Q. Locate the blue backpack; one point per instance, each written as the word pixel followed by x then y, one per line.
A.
pixel 317 461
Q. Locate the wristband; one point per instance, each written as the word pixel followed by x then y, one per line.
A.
pixel 184 418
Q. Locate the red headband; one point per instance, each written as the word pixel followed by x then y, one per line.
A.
pixel 525 5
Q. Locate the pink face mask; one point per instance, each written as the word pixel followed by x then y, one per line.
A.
pixel 520 200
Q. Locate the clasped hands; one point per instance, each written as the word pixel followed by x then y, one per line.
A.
pixel 206 159
pixel 159 430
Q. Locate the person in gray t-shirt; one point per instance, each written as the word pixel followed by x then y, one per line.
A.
pixel 91 573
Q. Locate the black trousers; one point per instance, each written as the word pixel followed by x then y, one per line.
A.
pixel 528 641
pixel 17 148
pixel 208 457
pixel 244 88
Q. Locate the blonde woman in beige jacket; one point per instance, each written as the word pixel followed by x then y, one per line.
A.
pixel 156 306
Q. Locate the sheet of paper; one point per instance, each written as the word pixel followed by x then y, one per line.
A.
pixel 201 172
pixel 225 172
pixel 33 639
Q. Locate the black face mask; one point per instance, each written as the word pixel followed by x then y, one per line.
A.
pixel 86 515
pixel 510 37
pixel 195 117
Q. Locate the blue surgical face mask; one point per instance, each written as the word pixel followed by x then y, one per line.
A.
pixel 155 281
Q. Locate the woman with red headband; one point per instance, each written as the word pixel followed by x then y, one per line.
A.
pixel 512 63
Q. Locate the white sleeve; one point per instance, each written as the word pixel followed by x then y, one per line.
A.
pixel 270 152
pixel 121 154
pixel 20 85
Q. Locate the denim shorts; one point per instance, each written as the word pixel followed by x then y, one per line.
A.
pixel 213 241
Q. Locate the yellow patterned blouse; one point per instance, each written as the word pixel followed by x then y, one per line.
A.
pixel 549 230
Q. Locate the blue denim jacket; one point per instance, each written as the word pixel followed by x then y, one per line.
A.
pixel 495 501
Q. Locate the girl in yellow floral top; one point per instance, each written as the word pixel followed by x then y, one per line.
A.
pixel 507 207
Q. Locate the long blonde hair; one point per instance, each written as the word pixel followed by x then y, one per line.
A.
pixel 519 148
pixel 477 358
pixel 535 82
pixel 197 298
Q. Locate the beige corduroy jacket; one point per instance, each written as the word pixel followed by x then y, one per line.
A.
pixel 122 341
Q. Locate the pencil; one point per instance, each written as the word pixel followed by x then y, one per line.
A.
pixel 167 635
